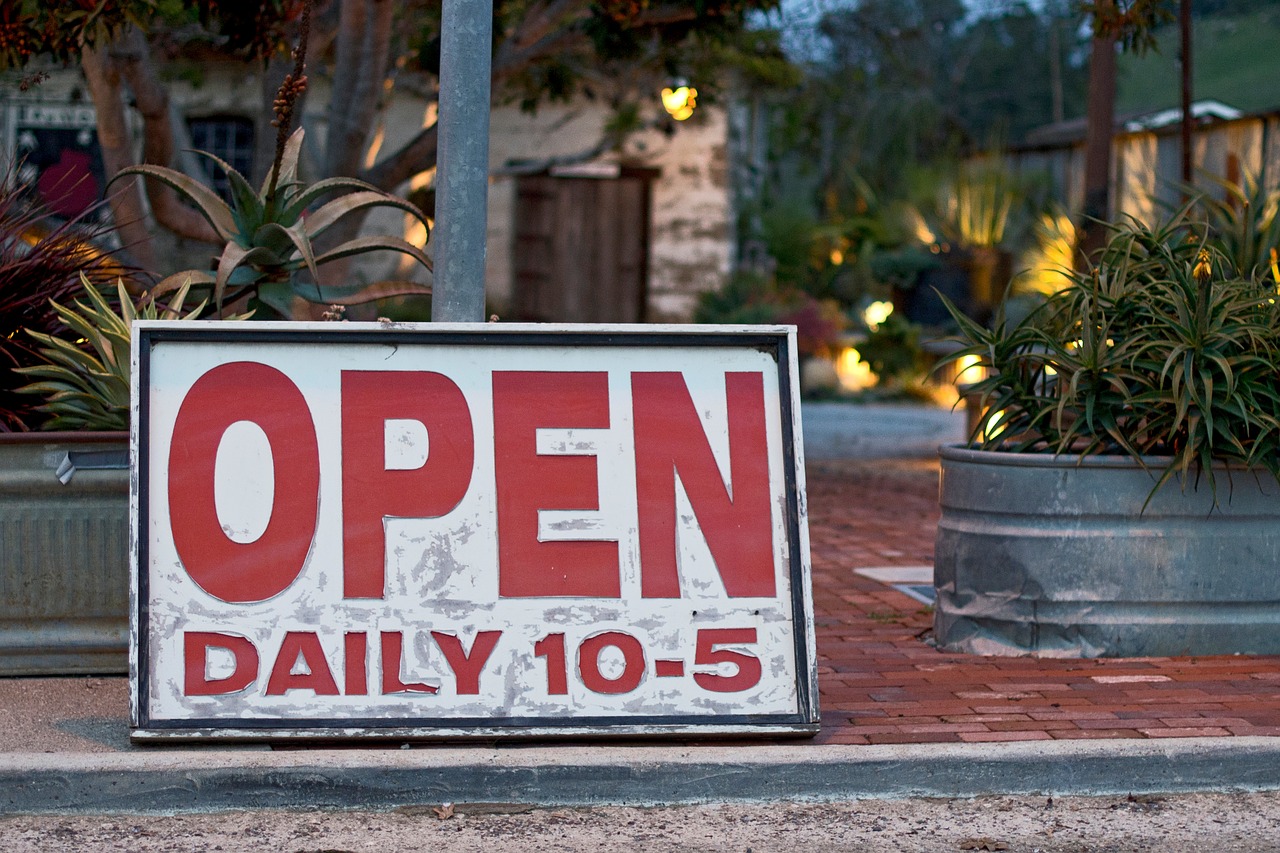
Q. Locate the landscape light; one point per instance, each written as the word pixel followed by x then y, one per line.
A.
pixel 680 101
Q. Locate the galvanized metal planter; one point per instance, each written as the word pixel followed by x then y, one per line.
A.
pixel 64 545
pixel 1055 556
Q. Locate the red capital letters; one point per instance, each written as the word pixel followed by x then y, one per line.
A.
pixel 466 667
pixel 523 403
pixel 318 676
pixel 195 654
pixel 355 647
pixel 226 569
pixel 370 492
pixel 393 663
pixel 737 524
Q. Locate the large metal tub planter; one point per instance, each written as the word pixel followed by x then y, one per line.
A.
pixel 64 540
pixel 1056 557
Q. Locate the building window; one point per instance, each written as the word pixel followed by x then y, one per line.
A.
pixel 230 138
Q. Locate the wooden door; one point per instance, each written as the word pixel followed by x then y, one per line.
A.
pixel 582 248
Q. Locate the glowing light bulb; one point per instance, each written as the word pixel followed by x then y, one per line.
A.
pixel 680 101
pixel 876 313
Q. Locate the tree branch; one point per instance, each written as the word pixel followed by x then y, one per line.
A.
pixel 553 30
pixel 536 26
pixel 414 157
pixel 134 61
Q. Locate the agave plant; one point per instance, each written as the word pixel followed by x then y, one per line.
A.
pixel 270 235
pixel 86 383
pixel 1161 350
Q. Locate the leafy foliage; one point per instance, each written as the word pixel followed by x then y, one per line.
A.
pixel 87 387
pixel 1132 23
pixel 914 82
pixel 59 29
pixel 1246 223
pixel 750 298
pixel 1160 351
pixel 893 350
pixel 41 258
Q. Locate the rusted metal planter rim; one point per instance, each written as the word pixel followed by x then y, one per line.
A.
pixel 63 437
pixel 960 453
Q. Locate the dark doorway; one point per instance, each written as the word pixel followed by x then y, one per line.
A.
pixel 582 247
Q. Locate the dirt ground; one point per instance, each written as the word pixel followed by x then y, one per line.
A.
pixel 1203 823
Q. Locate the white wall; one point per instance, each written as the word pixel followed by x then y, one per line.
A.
pixel 691 228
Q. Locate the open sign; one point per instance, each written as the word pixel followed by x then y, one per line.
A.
pixel 408 531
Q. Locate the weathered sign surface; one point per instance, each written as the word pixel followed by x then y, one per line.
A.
pixel 349 529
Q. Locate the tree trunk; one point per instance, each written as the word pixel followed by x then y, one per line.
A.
pixel 1188 120
pixel 125 195
pixel 1098 137
pixel 1055 73
pixel 360 68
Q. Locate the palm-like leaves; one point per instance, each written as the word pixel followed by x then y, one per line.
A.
pixel 1146 355
pixel 270 233
pixel 87 387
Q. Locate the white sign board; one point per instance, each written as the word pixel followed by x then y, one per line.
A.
pixel 417 531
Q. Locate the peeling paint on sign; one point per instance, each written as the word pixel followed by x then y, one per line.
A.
pixel 346 530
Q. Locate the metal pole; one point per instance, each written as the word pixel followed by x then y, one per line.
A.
pixel 462 164
pixel 1188 120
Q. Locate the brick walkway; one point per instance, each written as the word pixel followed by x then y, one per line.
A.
pixel 881 682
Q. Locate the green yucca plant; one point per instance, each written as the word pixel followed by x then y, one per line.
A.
pixel 86 383
pixel 1246 220
pixel 974 209
pixel 270 235
pixel 1161 350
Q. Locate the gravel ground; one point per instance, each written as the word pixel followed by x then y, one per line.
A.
pixel 1198 823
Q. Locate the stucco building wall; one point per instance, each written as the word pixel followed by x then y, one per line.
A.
pixel 691 217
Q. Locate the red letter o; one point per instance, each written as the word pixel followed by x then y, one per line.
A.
pixel 589 662
pixel 229 570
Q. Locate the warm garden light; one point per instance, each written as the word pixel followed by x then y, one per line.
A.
pixel 854 373
pixel 680 101
pixel 920 228
pixel 876 313
pixel 970 369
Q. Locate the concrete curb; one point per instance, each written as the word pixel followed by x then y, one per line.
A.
pixel 229 779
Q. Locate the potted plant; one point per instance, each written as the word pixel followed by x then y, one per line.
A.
pixel 1119 496
pixel 64 495
pixel 63 527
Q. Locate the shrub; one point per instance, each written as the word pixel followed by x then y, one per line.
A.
pixel 41 259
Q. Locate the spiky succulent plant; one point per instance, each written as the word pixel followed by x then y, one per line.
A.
pixel 86 383
pixel 270 234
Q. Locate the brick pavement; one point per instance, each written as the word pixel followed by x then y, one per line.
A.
pixel 881 681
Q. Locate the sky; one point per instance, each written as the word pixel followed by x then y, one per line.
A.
pixel 798 21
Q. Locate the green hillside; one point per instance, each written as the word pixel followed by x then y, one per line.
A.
pixel 1236 60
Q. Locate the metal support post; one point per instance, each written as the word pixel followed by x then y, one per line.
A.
pixel 462 170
